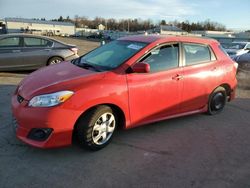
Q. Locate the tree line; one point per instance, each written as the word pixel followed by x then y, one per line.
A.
pixel 139 24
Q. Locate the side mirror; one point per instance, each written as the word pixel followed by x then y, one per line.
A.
pixel 141 67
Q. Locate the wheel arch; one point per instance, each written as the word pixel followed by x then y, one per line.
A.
pixel 119 112
pixel 227 88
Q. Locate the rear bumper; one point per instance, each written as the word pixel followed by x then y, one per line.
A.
pixel 71 57
pixel 60 120
pixel 233 90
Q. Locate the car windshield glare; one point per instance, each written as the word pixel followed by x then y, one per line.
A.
pixel 112 55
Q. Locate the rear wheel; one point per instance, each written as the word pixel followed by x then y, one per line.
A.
pixel 217 101
pixel 95 129
pixel 55 60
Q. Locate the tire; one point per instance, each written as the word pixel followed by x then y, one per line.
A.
pixel 54 60
pixel 217 101
pixel 92 131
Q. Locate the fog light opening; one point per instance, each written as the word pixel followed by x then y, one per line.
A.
pixel 39 134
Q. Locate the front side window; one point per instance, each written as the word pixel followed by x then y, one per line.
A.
pixel 111 55
pixel 36 42
pixel 196 53
pixel 163 58
pixel 10 42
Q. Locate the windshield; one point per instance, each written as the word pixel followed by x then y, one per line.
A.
pixel 111 55
pixel 236 46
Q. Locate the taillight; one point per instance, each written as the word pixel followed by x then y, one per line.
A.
pixel 74 50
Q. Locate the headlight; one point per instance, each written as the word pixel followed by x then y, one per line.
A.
pixel 52 99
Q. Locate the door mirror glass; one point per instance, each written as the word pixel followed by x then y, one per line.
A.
pixel 141 67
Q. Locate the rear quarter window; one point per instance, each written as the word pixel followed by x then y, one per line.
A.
pixel 196 53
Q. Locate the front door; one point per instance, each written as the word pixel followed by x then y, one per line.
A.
pixel 155 95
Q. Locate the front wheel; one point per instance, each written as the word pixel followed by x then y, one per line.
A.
pixel 95 128
pixel 217 101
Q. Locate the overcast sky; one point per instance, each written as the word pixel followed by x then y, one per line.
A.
pixel 232 13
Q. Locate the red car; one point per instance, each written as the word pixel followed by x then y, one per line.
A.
pixel 128 82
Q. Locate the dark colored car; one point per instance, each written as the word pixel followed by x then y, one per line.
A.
pixel 243 70
pixel 243 61
pixel 29 52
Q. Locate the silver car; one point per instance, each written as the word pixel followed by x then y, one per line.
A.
pixel 29 52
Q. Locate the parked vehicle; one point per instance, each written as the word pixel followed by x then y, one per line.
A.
pixel 243 61
pixel 29 52
pixel 95 36
pixel 237 48
pixel 128 82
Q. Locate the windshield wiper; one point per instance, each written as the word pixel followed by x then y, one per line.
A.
pixel 84 65
pixel 75 61
pixel 87 66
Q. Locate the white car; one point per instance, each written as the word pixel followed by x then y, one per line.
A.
pixel 237 48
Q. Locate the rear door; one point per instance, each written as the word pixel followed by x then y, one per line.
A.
pixel 36 51
pixel 10 53
pixel 200 76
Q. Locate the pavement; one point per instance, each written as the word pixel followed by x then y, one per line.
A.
pixel 192 151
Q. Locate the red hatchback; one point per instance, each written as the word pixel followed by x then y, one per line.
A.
pixel 128 82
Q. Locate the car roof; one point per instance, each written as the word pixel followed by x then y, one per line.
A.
pixel 23 35
pixel 30 35
pixel 166 38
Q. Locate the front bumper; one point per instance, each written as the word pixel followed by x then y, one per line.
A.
pixel 59 119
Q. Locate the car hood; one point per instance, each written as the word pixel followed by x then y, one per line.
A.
pixel 63 76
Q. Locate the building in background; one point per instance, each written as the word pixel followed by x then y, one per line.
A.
pixel 101 27
pixel 167 30
pixel 20 25
pixel 224 37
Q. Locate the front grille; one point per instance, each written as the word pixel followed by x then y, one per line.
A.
pixel 20 99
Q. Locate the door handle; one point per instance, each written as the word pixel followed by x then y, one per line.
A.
pixel 16 51
pixel 177 77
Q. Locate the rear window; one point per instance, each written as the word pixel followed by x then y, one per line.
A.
pixel 10 42
pixel 37 42
pixel 196 53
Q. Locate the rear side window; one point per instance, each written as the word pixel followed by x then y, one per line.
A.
pixel 10 42
pixel 196 53
pixel 37 42
pixel 163 58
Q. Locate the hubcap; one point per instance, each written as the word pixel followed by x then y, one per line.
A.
pixel 218 101
pixel 103 128
pixel 55 61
